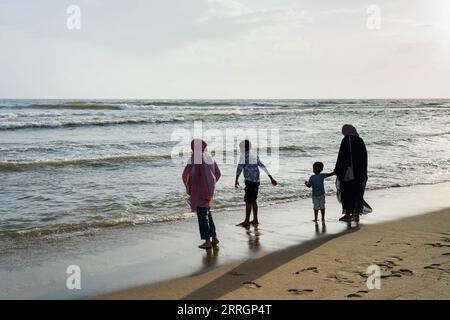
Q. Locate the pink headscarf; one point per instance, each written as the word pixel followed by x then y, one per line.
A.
pixel 200 176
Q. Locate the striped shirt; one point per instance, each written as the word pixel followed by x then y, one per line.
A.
pixel 250 165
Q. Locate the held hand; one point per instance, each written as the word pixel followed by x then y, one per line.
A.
pixel 274 182
pixel 236 184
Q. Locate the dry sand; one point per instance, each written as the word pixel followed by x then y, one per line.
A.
pixel 412 253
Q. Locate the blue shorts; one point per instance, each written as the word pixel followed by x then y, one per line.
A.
pixel 319 202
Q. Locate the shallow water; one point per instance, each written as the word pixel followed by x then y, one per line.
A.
pixel 119 258
pixel 71 167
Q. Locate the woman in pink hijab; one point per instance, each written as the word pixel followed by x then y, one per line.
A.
pixel 200 176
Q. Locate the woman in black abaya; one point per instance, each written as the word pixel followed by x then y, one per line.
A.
pixel 351 171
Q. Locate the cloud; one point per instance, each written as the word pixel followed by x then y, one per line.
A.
pixel 220 48
pixel 341 12
pixel 232 20
pixel 223 8
pixel 235 11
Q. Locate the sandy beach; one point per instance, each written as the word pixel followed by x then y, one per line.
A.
pixel 412 253
pixel 114 260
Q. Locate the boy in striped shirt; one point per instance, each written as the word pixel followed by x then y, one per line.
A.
pixel 250 165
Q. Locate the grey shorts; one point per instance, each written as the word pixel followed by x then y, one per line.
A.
pixel 319 202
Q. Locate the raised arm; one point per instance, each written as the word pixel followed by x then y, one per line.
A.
pixel 330 174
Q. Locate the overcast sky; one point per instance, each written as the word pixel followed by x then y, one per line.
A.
pixel 224 49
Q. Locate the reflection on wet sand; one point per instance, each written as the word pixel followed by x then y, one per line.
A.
pixel 320 229
pixel 209 259
pixel 253 238
pixel 356 225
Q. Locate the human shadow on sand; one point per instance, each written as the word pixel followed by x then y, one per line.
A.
pixel 247 272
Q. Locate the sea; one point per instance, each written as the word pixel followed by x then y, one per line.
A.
pixel 69 167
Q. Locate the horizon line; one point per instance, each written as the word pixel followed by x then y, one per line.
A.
pixel 390 98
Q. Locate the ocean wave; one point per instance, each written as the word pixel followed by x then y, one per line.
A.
pixel 74 124
pixel 14 165
pixel 292 148
pixel 154 119
pixel 86 227
pixel 125 104
pixel 8 115
pixel 52 121
pixel 435 103
pixel 193 103
pixel 76 105
pixel 110 159
pixel 66 105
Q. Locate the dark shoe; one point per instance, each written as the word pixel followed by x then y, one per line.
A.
pixel 243 224
pixel 346 218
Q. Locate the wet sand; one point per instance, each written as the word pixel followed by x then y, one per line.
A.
pixel 117 259
pixel 413 256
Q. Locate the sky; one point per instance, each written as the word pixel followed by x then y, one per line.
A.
pixel 223 49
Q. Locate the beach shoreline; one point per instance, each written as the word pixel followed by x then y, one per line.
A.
pixel 411 254
pixel 113 260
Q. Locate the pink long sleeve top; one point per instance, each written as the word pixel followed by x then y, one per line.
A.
pixel 200 181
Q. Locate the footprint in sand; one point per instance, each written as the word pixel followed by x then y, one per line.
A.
pixel 438 245
pixel 396 257
pixel 389 264
pixel 403 272
pixel 300 291
pixel 401 243
pixel 313 269
pixel 362 274
pixel 392 275
pixel 358 294
pixel 386 265
pixel 339 278
pixel 434 266
pixel 252 284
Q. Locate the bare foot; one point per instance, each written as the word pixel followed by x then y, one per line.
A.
pixel 255 223
pixel 215 242
pixel 206 245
